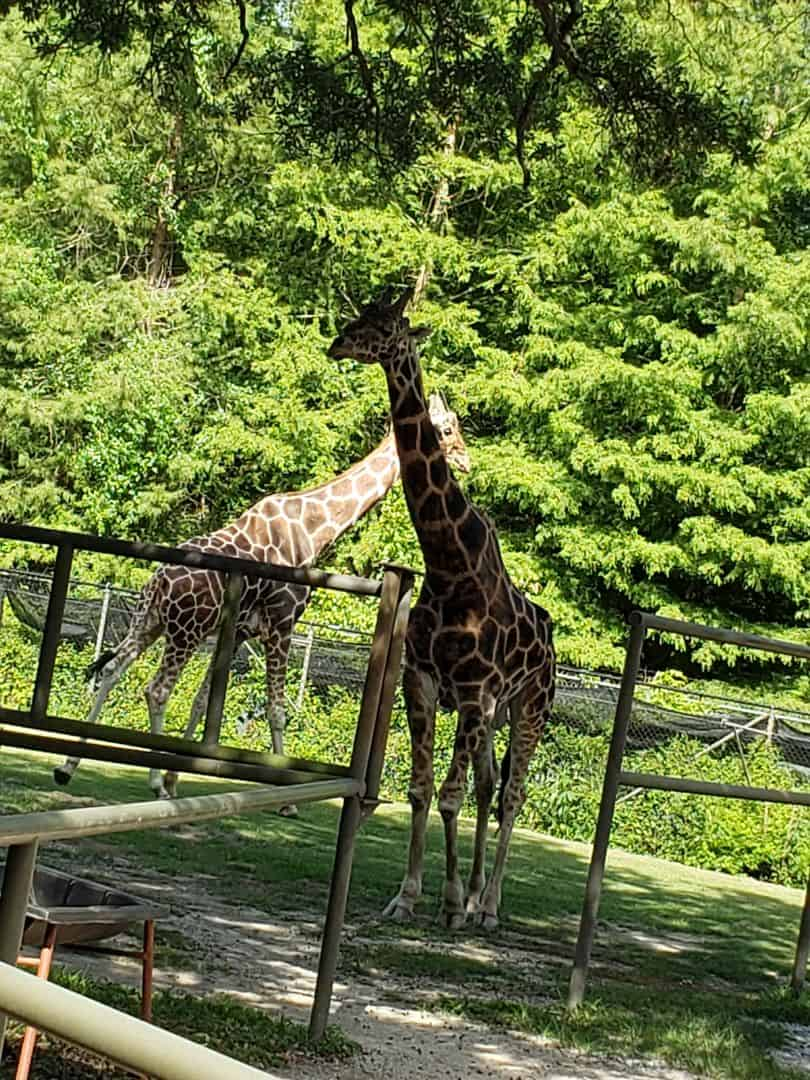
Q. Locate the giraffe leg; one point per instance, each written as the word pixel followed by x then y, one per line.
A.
pixel 420 699
pixel 528 720
pixel 112 672
pixel 485 774
pixel 473 723
pixel 276 654
pixel 198 708
pixel 158 692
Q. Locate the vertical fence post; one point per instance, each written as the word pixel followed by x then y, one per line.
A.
pixel 102 621
pixel 610 787
pixel 19 873
pixel 352 808
pixel 390 682
pixel 302 686
pixel 802 947
pixel 223 657
pixel 52 633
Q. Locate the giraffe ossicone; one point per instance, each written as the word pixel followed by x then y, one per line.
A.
pixel 475 642
pixel 184 604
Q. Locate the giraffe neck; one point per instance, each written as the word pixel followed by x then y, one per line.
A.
pixel 319 515
pixel 437 505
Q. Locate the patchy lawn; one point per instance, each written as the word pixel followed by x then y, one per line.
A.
pixel 689 966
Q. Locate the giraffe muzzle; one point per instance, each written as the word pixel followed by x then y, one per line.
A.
pixel 339 350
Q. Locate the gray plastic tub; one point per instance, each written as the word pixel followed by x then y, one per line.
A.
pixel 82 911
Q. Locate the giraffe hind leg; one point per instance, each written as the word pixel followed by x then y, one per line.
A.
pixel 110 674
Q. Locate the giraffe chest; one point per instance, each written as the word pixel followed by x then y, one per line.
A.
pixel 472 648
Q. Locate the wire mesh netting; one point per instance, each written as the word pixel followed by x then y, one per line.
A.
pixel 703 726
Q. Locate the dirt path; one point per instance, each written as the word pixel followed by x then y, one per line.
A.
pixel 270 963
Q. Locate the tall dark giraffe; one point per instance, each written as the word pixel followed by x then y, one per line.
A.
pixel 184 604
pixel 475 643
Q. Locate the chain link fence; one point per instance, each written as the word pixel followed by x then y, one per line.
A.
pixel 325 655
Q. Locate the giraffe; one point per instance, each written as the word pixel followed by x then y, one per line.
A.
pixel 184 604
pixel 474 644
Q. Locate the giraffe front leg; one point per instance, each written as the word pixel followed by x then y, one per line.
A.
pixel 528 722
pixel 420 700
pixel 470 736
pixel 276 653
pixel 485 774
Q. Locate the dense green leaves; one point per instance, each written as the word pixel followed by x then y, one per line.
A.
pixel 627 346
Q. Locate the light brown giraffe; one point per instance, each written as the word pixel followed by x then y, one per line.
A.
pixel 184 604
pixel 475 643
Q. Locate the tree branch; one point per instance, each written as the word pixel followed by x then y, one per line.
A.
pixel 353 35
pixel 237 56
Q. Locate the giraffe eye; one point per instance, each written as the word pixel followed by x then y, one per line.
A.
pixel 448 431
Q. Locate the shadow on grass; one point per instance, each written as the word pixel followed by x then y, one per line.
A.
pixel 688 965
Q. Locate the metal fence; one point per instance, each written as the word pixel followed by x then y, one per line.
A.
pixel 328 655
pixel 628 721
pixel 288 780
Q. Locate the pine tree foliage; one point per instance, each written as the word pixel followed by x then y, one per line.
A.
pixel 625 338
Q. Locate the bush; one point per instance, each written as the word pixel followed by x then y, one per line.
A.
pixel 770 842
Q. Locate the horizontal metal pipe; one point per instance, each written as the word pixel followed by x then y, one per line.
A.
pixel 125 817
pixel 135 549
pixel 707 787
pixel 62 725
pixel 716 633
pixel 125 1040
pixel 154 759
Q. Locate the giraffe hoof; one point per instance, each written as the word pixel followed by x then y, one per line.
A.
pixel 61 776
pixel 397 912
pixel 453 920
pixel 288 811
pixel 486 921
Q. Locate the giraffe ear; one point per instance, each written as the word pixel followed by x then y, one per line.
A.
pixel 419 333
pixel 404 300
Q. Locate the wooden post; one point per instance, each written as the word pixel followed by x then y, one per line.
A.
pixel 610 787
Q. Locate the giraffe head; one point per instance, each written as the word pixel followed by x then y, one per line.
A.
pixel 448 432
pixel 380 332
pixel 378 335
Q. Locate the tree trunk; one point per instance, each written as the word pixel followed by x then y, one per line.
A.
pixel 159 264
pixel 437 211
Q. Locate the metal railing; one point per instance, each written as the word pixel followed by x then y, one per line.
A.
pixel 288 780
pixel 616 777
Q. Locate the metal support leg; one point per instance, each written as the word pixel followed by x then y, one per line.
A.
pixel 20 862
pixel 147 966
pixel 352 806
pixel 30 1038
pixel 390 682
pixel 610 787
pixel 802 948
pixel 52 633
pixel 335 914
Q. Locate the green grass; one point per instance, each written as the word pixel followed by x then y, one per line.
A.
pixel 689 966
pixel 216 1021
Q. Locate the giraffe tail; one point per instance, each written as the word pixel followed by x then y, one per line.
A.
pixel 93 669
pixel 506 770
